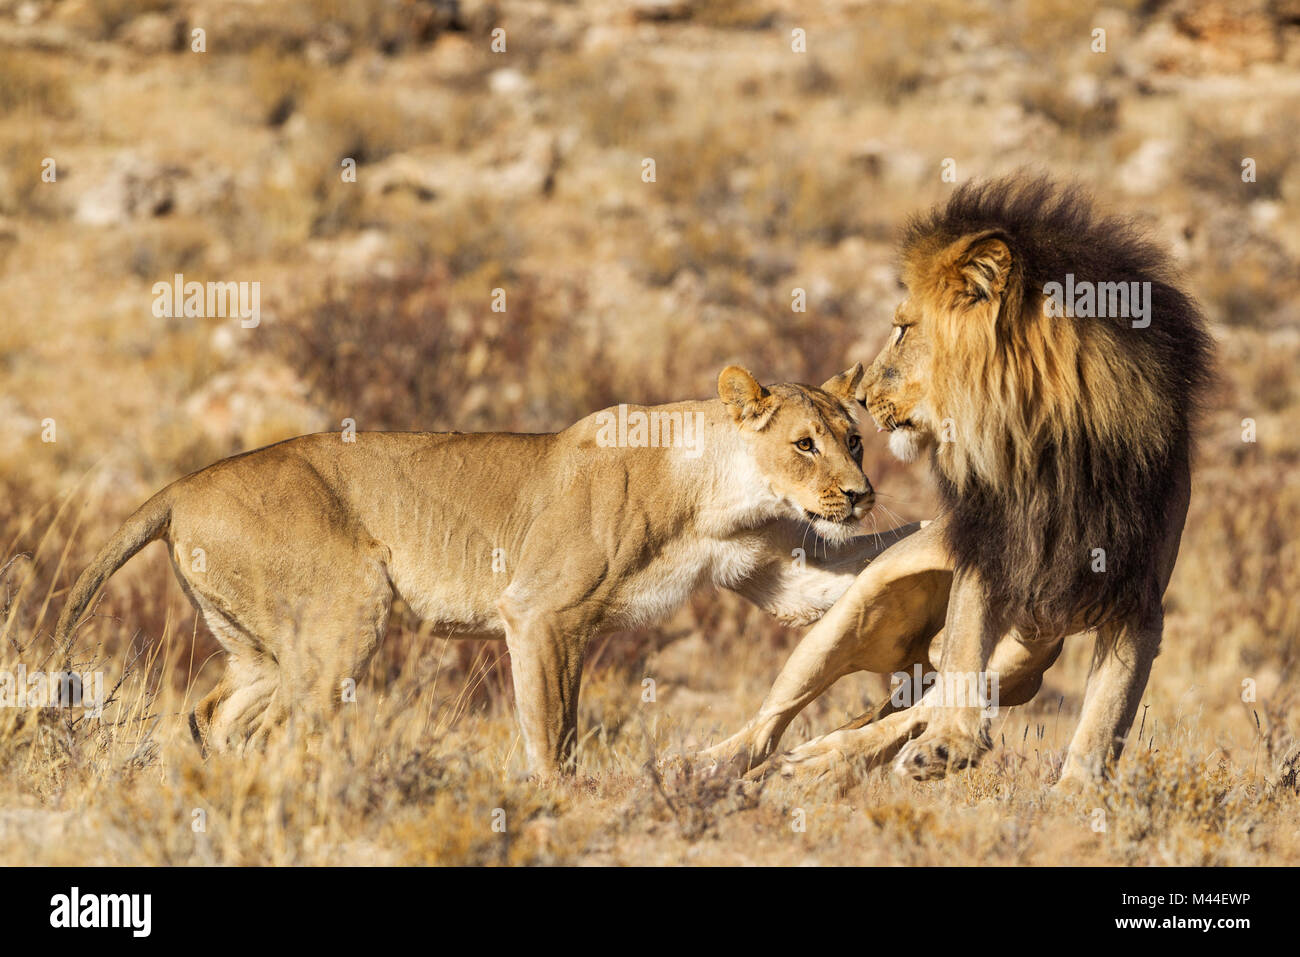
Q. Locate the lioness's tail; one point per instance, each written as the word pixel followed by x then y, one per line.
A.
pixel 148 523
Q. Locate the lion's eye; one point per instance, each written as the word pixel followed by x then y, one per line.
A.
pixel 902 331
pixel 805 445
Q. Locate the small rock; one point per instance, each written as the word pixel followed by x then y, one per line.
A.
pixel 661 11
pixel 133 187
pixel 508 82
pixel 154 33
pixel 1149 167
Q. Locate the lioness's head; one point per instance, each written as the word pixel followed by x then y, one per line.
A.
pixel 807 446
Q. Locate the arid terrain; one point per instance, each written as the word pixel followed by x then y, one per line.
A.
pixel 383 168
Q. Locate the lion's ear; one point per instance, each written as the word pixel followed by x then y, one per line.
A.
pixel 845 385
pixel 983 267
pixel 744 397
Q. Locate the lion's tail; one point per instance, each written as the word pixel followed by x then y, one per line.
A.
pixel 149 522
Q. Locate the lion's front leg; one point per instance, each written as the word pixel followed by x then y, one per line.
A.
pixel 883 623
pixel 875 738
pixel 955 709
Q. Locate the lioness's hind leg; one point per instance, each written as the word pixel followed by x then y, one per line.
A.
pixel 229 714
pixel 333 637
pixel 223 719
pixel 304 649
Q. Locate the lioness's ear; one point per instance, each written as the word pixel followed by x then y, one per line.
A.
pixel 743 396
pixel 845 385
pixel 983 267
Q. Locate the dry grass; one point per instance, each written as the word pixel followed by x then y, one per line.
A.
pixel 522 171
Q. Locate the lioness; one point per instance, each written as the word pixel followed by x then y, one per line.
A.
pixel 1060 437
pixel 293 553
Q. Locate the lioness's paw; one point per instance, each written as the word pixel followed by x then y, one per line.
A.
pixel 933 755
pixel 806 763
pixel 733 765
pixel 733 757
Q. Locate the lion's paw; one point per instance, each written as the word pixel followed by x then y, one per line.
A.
pixel 933 755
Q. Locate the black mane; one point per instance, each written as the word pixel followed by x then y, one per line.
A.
pixel 1033 545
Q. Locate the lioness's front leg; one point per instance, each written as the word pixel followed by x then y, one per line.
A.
pixel 798 587
pixel 874 739
pixel 956 721
pixel 883 623
pixel 546 653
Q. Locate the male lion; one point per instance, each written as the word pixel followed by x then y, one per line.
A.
pixel 293 553
pixel 1060 437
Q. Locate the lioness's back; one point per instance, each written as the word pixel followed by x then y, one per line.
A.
pixel 435 499
pixel 371 465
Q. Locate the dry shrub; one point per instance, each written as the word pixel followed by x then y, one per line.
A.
pixel 279 84
pixel 402 353
pixel 611 98
pixel 35 84
pixel 1213 155
pixel 1197 808
pixel 102 19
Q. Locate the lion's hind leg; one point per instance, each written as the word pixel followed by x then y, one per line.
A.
pixel 1120 668
pixel 1121 665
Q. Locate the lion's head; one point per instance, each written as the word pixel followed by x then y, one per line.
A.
pixel 1055 431
pixel 807 446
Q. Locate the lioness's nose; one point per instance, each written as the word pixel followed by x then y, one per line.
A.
pixel 860 491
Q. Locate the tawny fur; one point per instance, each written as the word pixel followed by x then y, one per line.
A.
pixel 294 553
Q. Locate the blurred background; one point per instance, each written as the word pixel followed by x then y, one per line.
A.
pixel 790 142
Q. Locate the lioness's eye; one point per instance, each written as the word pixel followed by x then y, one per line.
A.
pixel 855 443
pixel 805 445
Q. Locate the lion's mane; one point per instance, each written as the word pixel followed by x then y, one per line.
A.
pixel 1070 433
